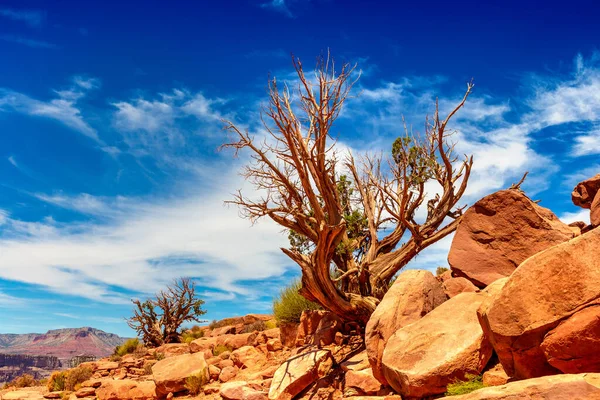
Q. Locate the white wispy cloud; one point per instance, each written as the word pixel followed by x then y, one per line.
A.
pixel 40 44
pixel 146 247
pixel 63 108
pixel 279 6
pixel 33 18
pixel 10 301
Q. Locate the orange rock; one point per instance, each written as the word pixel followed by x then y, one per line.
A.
pixel 595 210
pixel 170 374
pixel 214 372
pixel 357 362
pixel 173 349
pixel 545 290
pixel 413 294
pixel 454 286
pixel 288 332
pixel 85 392
pixel 499 232
pixel 298 372
pixel 495 376
pixel 584 193
pixel 241 390
pixel 228 373
pixel 247 356
pixel 422 358
pixel 126 390
pixel 556 387
pixel 274 345
pixel 236 341
pixel 203 343
pixel 318 327
pixel 574 345
pixel 361 382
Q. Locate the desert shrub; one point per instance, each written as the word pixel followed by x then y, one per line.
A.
pixel 158 356
pixel 76 376
pixel 115 358
pixel 220 349
pixel 192 334
pixel 128 347
pixel 25 380
pixel 288 306
pixel 194 383
pixel 66 395
pixel 271 324
pixel 256 326
pixel 148 369
pixel 440 270
pixel 57 381
pixel 472 383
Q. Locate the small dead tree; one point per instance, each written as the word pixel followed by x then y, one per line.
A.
pixel 157 321
pixel 350 233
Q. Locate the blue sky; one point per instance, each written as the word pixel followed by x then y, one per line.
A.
pixel 111 184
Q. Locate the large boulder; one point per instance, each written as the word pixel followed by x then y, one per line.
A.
pixel 584 193
pixel 501 231
pixel 241 390
pixel 454 286
pixel 422 358
pixel 545 290
pixel 173 349
pixel 361 383
pixel 574 345
pixel 170 374
pixel 288 332
pixel 126 390
pixel 318 327
pixel 595 211
pixel 556 387
pixel 298 372
pixel 414 294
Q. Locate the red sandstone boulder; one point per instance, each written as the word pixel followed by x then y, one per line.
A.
pixel 126 390
pixel 584 193
pixel 574 345
pixel 495 376
pixel 298 372
pixel 556 387
pixel 422 358
pixel 241 390
pixel 359 383
pixel 318 327
pixel 595 211
pixel 499 232
pixel 173 349
pixel 545 290
pixel 413 294
pixel 170 374
pixel 454 286
pixel 247 356
pixel 288 332
pixel 202 344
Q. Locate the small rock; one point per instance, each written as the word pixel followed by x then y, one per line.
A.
pixel 227 374
pixel 495 376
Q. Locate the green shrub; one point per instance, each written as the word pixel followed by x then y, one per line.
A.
pixel 76 376
pixel 56 382
pixel 288 306
pixel 192 334
pixel 472 383
pixel 158 356
pixel 128 347
pixel 194 383
pixel 224 322
pixel 440 270
pixel 220 349
pixel 271 324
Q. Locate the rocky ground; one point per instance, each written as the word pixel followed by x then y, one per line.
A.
pixel 520 307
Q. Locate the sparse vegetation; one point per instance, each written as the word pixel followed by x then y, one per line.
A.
pixel 158 321
pixel 76 376
pixel 192 334
pixel 195 383
pixel 288 306
pixel 271 324
pixel 129 347
pixel 473 382
pixel 158 356
pixel 220 349
pixel 440 271
pixel 56 382
pixel 25 380
pixel 148 369
pixel 68 380
pixel 224 322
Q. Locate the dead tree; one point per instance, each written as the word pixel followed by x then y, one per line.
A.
pixel 158 321
pixel 349 232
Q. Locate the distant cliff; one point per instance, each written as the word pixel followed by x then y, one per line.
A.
pixel 14 365
pixel 62 343
pixel 38 354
